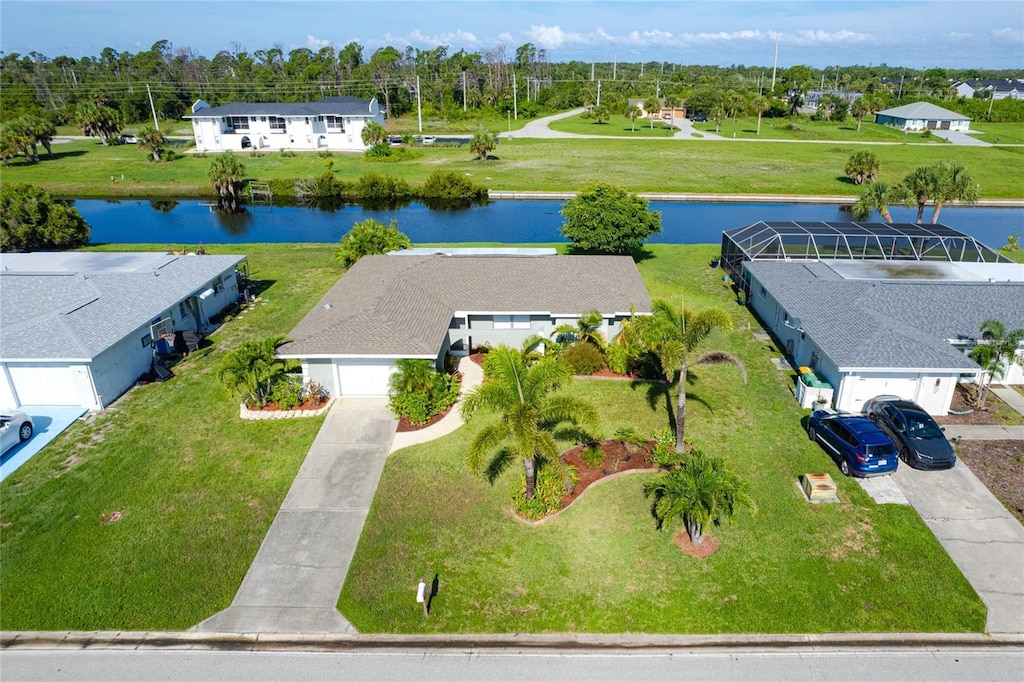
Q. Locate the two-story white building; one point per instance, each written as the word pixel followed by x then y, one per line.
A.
pixel 332 123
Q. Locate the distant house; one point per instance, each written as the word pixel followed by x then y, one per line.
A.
pixel 79 328
pixel 1004 88
pixel 332 123
pixel 923 116
pixel 407 305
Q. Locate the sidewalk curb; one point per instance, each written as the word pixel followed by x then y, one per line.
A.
pixel 158 640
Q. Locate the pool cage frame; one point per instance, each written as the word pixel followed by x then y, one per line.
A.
pixel 848 241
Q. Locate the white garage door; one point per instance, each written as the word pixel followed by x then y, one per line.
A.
pixel 365 378
pixel 867 387
pixel 49 384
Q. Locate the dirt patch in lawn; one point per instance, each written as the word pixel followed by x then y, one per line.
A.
pixel 999 464
pixel 706 548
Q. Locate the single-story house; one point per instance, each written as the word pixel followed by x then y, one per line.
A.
pixel 78 328
pixel 1005 88
pixel 923 116
pixel 331 123
pixel 396 306
pixel 872 327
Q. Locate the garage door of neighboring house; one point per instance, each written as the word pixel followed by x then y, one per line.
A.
pixel 903 385
pixel 364 377
pixel 52 384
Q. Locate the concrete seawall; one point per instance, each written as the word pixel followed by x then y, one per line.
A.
pixel 841 200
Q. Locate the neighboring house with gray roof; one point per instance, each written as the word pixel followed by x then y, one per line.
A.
pixel 874 327
pixel 923 116
pixel 331 123
pixel 386 308
pixel 78 328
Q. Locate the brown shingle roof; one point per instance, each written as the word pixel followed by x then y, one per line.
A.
pixel 402 305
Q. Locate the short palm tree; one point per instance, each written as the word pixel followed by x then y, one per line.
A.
pixel 586 330
pixel 152 140
pixel 483 143
pixel 226 173
pixel 527 398
pixel 878 196
pixel 920 184
pixel 251 369
pixel 997 354
pixel 952 183
pixel 373 133
pixel 701 492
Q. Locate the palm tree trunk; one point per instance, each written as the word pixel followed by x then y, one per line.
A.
pixel 884 210
pixel 681 409
pixel 983 393
pixel 938 209
pixel 920 210
pixel 531 477
pixel 696 533
pixel 759 123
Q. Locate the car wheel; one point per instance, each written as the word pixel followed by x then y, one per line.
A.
pixel 905 455
pixel 811 433
pixel 25 432
pixel 844 466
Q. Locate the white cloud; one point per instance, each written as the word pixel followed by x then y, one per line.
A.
pixel 553 37
pixel 315 43
pixel 1009 35
pixel 506 37
pixel 457 38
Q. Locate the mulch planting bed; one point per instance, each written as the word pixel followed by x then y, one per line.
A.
pixel 706 548
pixel 980 417
pixel 274 407
pixel 405 425
pixel 618 457
pixel 999 464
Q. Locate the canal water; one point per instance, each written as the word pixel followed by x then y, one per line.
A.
pixel 188 222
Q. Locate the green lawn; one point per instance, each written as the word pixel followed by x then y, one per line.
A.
pixel 998 133
pixel 198 488
pixel 616 125
pixel 805 129
pixel 602 567
pixel 87 169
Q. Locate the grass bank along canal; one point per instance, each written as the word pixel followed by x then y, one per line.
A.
pixel 190 221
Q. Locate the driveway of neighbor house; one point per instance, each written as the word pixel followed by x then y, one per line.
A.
pixel 48 422
pixel 960 138
pixel 294 583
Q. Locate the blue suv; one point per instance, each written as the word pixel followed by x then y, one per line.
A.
pixel 854 441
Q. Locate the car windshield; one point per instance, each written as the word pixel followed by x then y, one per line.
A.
pixel 920 425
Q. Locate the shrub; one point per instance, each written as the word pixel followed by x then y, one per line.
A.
pixel 620 360
pixel 381 187
pixel 30 219
pixel 287 393
pixel 369 237
pixel 450 185
pixel 609 219
pixel 324 186
pixel 548 493
pixel 418 391
pixel 583 358
pixel 664 452
pixel 631 437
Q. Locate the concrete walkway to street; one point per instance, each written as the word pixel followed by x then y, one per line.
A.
pixel 294 582
pixel 472 376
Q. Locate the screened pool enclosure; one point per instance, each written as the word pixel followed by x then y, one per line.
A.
pixel 850 241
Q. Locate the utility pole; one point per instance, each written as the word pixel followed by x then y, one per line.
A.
pixel 152 108
pixel 419 107
pixel 900 95
pixel 591 69
pixel 775 65
pixel 598 93
pixel 615 65
pixel 641 69
pixel 463 90
pixel 515 95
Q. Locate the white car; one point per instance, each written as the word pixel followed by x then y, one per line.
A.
pixel 15 427
pixel 428 139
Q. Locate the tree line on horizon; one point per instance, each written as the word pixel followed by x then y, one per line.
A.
pixel 491 83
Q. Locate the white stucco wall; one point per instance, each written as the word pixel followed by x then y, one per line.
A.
pixel 301 133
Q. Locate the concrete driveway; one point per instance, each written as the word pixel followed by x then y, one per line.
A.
pixel 977 532
pixel 48 422
pixel 960 138
pixel 294 582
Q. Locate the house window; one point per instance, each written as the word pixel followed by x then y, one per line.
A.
pixel 502 321
pixel 276 123
pixel 762 292
pixel 520 321
pixel 182 310
pixel 335 123
pixel 218 285
pixel 814 360
pixel 238 122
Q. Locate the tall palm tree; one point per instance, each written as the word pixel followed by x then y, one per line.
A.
pixel 98 120
pixel 996 356
pixel 952 183
pixel 633 112
pixel 226 172
pixel 878 196
pixel 527 398
pixel 652 105
pixel 700 492
pixel 920 184
pixel 674 338
pixel 859 109
pixel 760 104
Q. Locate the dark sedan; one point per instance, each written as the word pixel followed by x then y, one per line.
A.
pixel 921 441
pixel 860 447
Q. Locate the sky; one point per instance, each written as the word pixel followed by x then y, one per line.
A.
pixel 986 34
